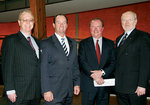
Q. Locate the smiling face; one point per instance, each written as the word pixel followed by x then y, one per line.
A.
pixel 26 22
pixel 60 25
pixel 96 28
pixel 128 20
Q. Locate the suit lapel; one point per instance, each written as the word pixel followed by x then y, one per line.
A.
pixel 92 50
pixel 57 44
pixel 104 52
pixel 127 42
pixel 23 40
pixel 70 45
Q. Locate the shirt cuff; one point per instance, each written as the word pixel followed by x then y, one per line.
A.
pixel 10 92
pixel 103 72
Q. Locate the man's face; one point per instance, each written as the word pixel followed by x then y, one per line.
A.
pixel 60 25
pixel 96 29
pixel 26 22
pixel 128 21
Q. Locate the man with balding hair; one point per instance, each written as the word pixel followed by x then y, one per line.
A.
pixel 132 62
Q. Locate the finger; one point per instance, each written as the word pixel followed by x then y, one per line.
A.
pixel 51 98
pixel 93 71
pixel 14 99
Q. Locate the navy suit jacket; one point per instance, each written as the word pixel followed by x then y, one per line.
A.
pixel 59 73
pixel 133 62
pixel 88 61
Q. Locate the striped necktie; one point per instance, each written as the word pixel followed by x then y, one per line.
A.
pixel 123 39
pixel 64 46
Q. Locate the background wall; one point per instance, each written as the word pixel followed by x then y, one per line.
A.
pixel 79 22
pixel 111 18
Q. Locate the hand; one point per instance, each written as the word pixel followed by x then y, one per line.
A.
pixel 76 90
pixel 100 81
pixel 140 91
pixel 12 97
pixel 96 74
pixel 48 96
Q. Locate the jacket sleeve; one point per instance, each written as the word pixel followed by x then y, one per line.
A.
pixel 45 84
pixel 76 72
pixel 8 53
pixel 84 66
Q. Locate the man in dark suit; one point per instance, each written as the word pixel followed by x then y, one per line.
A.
pixel 20 64
pixel 59 66
pixel 132 62
pixel 96 61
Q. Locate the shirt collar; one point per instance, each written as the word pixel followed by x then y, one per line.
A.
pixel 129 32
pixel 97 39
pixel 59 37
pixel 25 35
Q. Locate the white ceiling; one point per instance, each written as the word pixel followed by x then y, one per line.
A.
pixel 73 6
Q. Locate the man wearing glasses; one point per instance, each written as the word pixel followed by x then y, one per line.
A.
pixel 20 64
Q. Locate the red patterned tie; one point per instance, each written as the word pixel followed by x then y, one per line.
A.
pixel 29 39
pixel 98 52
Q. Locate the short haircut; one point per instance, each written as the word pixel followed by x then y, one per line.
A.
pixel 97 19
pixel 54 20
pixel 27 11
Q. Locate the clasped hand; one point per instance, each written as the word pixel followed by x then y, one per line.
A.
pixel 97 76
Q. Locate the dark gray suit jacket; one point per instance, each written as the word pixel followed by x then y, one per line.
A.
pixel 59 73
pixel 88 61
pixel 133 62
pixel 20 67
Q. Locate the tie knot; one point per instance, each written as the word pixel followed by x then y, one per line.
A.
pixel 62 39
pixel 97 41
pixel 125 35
pixel 28 38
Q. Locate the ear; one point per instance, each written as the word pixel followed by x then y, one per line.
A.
pixel 103 29
pixel 53 25
pixel 19 22
pixel 136 22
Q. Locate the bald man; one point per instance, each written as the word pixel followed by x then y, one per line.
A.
pixel 132 62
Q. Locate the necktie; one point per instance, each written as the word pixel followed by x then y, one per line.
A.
pixel 98 52
pixel 64 46
pixel 123 39
pixel 29 39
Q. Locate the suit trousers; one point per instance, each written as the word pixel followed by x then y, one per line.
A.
pixel 24 102
pixel 131 99
pixel 65 101
pixel 98 96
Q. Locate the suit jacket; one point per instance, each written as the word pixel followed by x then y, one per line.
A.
pixel 59 73
pixel 132 62
pixel 88 61
pixel 20 67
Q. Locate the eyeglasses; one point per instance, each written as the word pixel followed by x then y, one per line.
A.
pixel 27 20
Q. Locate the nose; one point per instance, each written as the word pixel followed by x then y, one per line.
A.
pixel 95 28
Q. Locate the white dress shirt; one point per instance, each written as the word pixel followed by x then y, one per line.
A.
pixel 99 43
pixel 66 41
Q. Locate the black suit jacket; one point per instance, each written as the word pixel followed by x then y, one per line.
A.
pixel 88 61
pixel 132 62
pixel 20 67
pixel 59 73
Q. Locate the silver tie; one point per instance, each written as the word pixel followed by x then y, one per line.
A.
pixel 64 46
